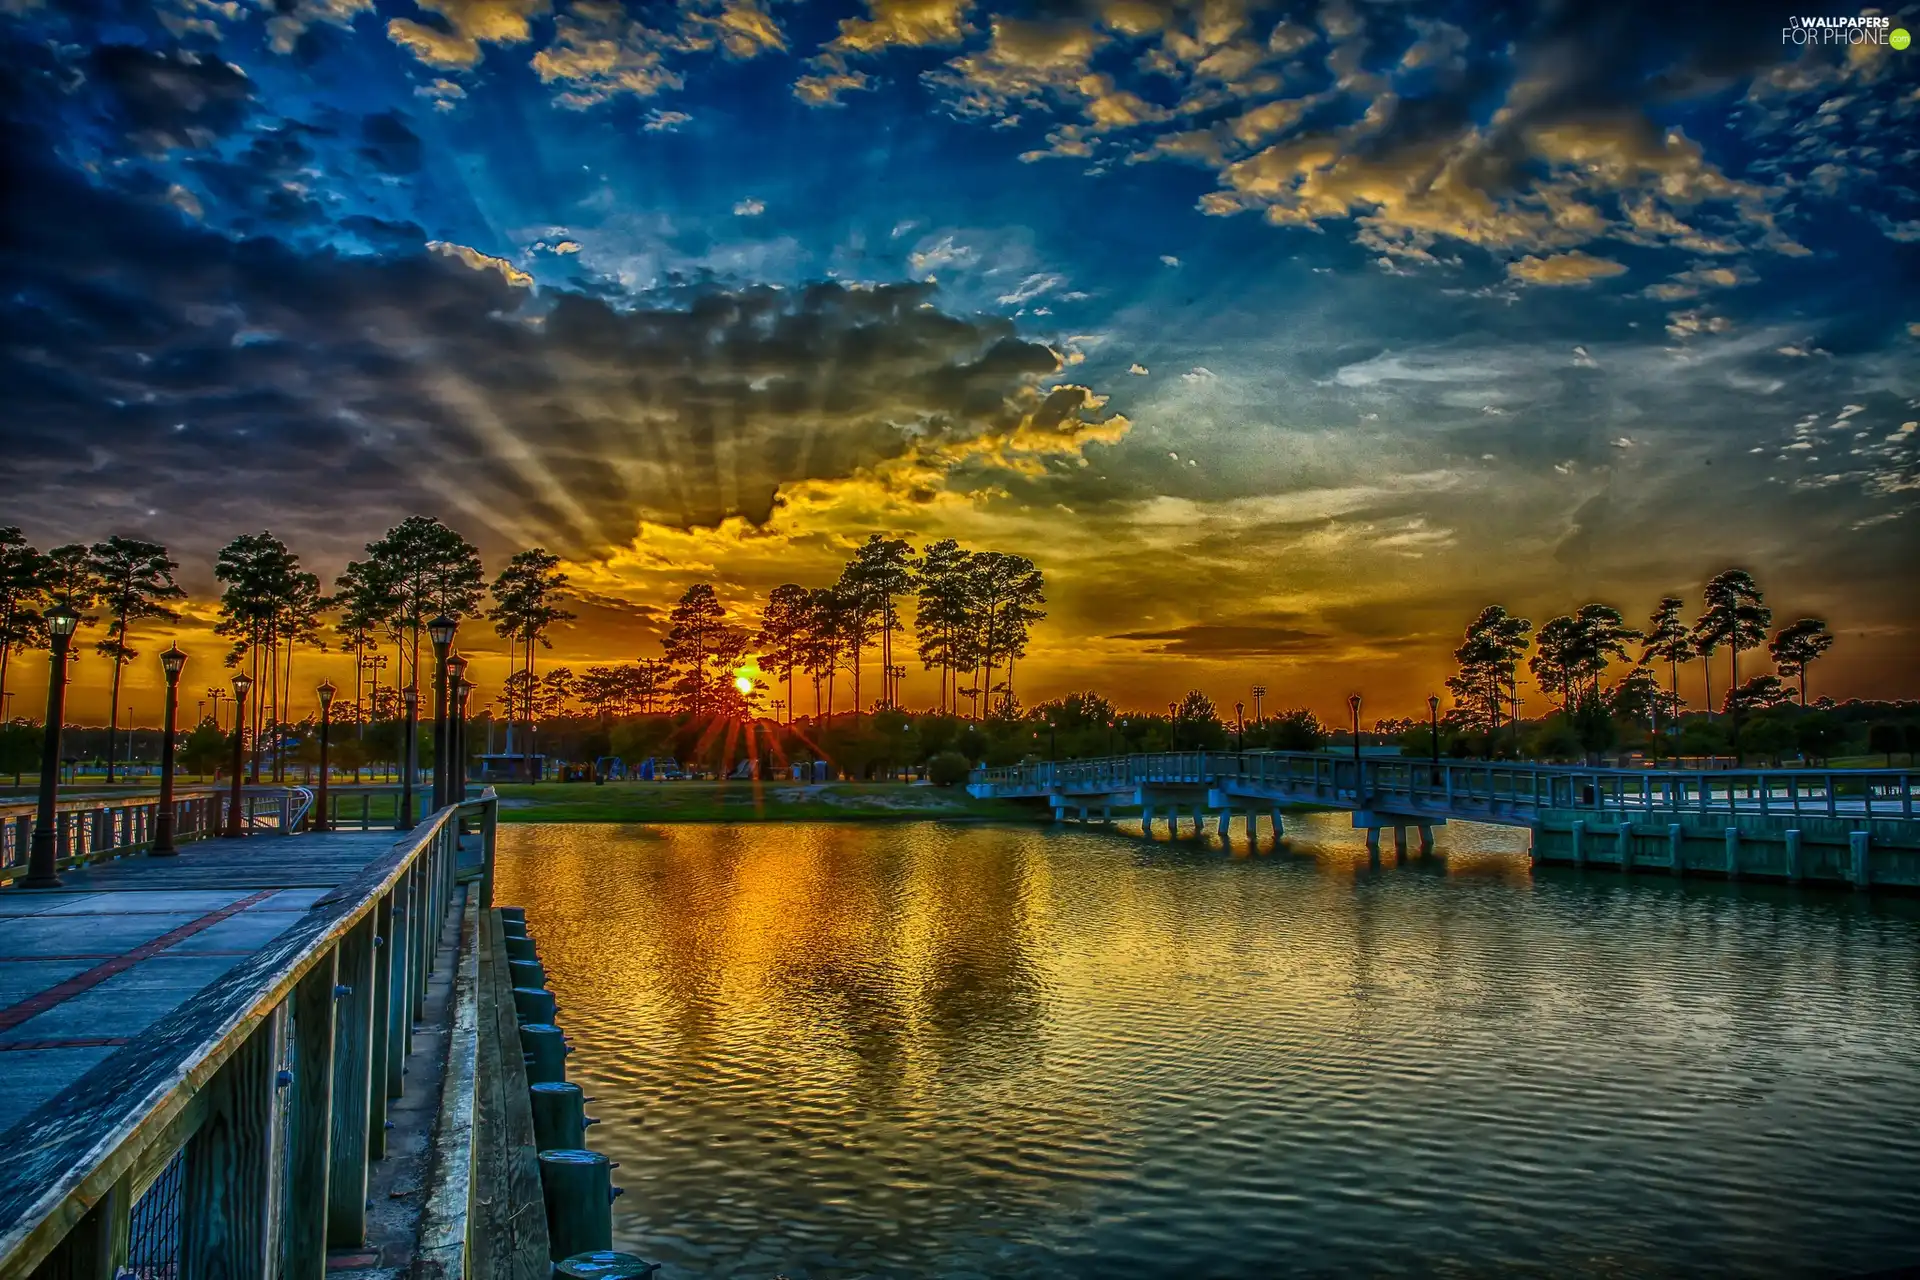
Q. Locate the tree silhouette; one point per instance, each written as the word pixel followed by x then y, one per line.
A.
pixel 1574 653
pixel 880 570
pixel 1005 592
pixel 23 581
pixel 425 569
pixel 136 581
pixel 782 634
pixel 692 630
pixel 1488 658
pixel 525 608
pixel 941 615
pixel 1797 646
pixel 1668 641
pixel 260 573
pixel 1734 616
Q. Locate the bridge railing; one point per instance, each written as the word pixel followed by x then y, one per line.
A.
pixel 250 1112
pixel 87 828
pixel 1492 788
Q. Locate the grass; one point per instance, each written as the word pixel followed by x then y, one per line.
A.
pixel 750 802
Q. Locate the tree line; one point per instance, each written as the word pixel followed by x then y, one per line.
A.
pixel 1572 655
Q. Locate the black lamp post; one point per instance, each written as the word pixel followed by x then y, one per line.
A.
pixel 410 727
pixel 171 662
pixel 1050 738
pixel 1433 730
pixel 1239 726
pixel 456 744
pixel 236 806
pixel 44 856
pixel 326 692
pixel 1173 726
pixel 440 631
pixel 1353 709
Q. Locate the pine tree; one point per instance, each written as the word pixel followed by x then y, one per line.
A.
pixel 135 582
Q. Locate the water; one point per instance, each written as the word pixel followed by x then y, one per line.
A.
pixel 924 1050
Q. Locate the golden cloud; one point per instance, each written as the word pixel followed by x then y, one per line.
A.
pixel 481 261
pixel 912 23
pixel 470 23
pixel 1573 268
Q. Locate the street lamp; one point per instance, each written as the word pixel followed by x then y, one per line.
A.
pixel 44 856
pixel 456 788
pixel 440 631
pixel 1259 692
pixel 1433 729
pixel 1240 726
pixel 171 662
pixel 410 729
pixel 1353 709
pixel 236 815
pixel 326 692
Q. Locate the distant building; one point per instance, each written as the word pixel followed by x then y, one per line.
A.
pixel 509 768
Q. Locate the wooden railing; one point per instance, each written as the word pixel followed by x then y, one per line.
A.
pixel 1495 791
pixel 269 1087
pixel 88 828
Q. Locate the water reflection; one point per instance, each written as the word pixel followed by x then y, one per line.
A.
pixel 920 1050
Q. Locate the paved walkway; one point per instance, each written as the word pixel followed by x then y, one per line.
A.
pixel 86 967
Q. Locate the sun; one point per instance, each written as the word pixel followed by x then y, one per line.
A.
pixel 743 684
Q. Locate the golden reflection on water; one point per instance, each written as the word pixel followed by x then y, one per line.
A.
pixel 826 1051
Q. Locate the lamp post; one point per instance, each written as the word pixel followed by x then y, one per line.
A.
pixel 326 692
pixel 1433 731
pixel 462 689
pixel 1240 726
pixel 236 811
pixel 1353 709
pixel 456 744
pixel 440 631
pixel 410 730
pixel 171 662
pixel 1259 692
pixel 1173 726
pixel 1050 738
pixel 44 856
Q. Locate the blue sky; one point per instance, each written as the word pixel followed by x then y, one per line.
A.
pixel 1282 336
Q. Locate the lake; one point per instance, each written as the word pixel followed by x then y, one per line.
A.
pixel 958 1051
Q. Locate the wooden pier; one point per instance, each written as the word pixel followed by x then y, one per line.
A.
pixel 203 1049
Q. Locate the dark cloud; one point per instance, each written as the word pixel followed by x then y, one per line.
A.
pixel 389 145
pixel 1248 639
pixel 171 98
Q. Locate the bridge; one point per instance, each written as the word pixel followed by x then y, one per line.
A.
pixel 1853 826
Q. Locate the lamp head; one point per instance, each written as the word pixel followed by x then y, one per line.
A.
pixel 61 621
pixel 326 692
pixel 1353 705
pixel 410 696
pixel 441 630
pixel 172 661
pixel 1433 703
pixel 242 684
pixel 456 666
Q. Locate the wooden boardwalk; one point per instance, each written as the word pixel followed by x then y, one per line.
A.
pixel 86 968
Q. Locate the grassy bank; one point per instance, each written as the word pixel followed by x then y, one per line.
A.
pixel 750 802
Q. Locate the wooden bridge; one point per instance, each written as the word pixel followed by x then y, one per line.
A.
pixel 1855 826
pixel 203 1053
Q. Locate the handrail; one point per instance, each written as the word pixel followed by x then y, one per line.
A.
pixel 1479 788
pixel 72 1156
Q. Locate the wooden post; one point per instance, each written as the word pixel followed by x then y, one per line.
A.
pixel 578 1189
pixel 352 1089
pixel 310 1124
pixel 384 954
pixel 559 1118
pixel 1625 837
pixel 1793 854
pixel 399 987
pixel 1733 853
pixel 225 1215
pixel 1857 847
pixel 489 827
pixel 1676 848
pixel 96 1248
pixel 1579 836
pixel 421 924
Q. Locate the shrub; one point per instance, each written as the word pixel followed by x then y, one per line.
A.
pixel 948 769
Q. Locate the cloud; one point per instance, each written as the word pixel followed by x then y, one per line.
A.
pixel 169 99
pixel 1573 268
pixel 465 26
pixel 749 208
pixel 481 261
pixel 1199 373
pixel 911 23
pixel 659 121
pixel 1032 287
pixel 824 88
pixel 1688 324
pixel 599 52
pixel 1139 370
pixel 1169 260
pixel 444 94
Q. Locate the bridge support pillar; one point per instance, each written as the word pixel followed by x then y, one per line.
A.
pixel 1793 854
pixel 1399 841
pixel 1625 836
pixel 1857 849
pixel 1083 815
pixel 1733 853
pixel 1426 837
pixel 1579 843
pixel 1226 825
pixel 1146 821
pixel 1676 843
pixel 1279 828
pixel 1373 841
pixel 1106 816
pixel 1253 828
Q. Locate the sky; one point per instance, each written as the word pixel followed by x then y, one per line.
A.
pixel 1281 337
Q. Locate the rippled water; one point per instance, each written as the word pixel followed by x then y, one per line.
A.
pixel 927 1050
